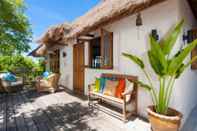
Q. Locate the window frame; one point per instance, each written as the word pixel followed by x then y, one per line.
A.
pixel 102 33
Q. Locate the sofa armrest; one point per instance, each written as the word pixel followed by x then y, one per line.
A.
pixel 5 83
pixel 129 92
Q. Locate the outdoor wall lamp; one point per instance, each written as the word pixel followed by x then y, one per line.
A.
pixel 139 22
pixel 64 54
pixel 187 37
pixel 155 34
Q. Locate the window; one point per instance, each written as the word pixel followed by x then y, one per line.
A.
pixel 101 51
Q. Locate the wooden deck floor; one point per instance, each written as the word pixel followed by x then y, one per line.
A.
pixel 29 111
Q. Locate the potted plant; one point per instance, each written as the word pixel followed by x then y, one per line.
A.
pixel 168 68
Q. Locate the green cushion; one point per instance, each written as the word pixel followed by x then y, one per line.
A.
pixel 97 85
pixel 102 84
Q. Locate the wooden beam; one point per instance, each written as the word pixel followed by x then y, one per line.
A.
pixel 85 38
pixel 193 5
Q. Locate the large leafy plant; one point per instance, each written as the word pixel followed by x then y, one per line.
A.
pixel 21 65
pixel 167 67
pixel 15 29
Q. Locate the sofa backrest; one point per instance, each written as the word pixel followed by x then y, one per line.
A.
pixel 128 77
pixel 53 79
pixel 121 76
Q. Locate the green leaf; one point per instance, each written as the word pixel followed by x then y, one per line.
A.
pixel 15 29
pixel 145 86
pixel 19 2
pixel 180 71
pixel 157 57
pixel 155 64
pixel 135 59
pixel 183 67
pixel 169 42
pixel 177 61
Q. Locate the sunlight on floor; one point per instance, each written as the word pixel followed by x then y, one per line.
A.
pixel 138 125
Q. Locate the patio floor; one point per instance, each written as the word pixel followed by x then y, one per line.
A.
pixel 61 111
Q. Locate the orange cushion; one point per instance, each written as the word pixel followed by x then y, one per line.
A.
pixel 120 89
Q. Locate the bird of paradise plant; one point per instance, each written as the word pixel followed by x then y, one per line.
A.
pixel 167 67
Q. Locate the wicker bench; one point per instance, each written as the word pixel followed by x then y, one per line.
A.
pixel 99 97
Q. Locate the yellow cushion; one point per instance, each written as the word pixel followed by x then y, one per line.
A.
pixel 110 87
pixel 97 85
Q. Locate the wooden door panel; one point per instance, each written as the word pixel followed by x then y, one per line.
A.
pixel 75 67
pixel 78 68
pixel 194 51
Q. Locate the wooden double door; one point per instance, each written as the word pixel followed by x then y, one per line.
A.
pixel 78 68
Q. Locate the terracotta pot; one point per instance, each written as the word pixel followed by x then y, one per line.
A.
pixel 170 122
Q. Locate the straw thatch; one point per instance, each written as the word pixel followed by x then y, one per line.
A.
pixel 40 51
pixel 105 13
pixel 55 34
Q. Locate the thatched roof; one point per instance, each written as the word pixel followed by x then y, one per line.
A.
pixel 105 13
pixel 40 51
pixel 55 34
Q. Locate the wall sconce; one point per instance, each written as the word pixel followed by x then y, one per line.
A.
pixel 187 37
pixel 139 22
pixel 155 35
pixel 64 54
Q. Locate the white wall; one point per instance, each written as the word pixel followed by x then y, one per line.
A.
pixel 66 67
pixel 126 39
pixel 184 97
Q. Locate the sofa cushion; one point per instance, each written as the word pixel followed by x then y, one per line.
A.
pixel 102 84
pixel 128 88
pixel 17 83
pixel 120 88
pixel 110 87
pixel 9 77
pixel 45 74
pixel 97 85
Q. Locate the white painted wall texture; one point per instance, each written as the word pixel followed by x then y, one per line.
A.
pixel 66 67
pixel 126 39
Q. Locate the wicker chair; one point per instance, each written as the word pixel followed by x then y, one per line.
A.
pixel 9 87
pixel 1 87
pixel 49 85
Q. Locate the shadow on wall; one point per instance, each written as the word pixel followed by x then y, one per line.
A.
pixel 191 122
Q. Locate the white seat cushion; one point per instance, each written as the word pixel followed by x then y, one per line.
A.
pixel 16 83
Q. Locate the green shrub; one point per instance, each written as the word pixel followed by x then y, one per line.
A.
pixel 22 66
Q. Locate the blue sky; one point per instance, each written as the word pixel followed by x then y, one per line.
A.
pixel 44 13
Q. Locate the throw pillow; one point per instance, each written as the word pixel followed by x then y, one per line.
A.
pixel 102 84
pixel 46 74
pixel 129 87
pixel 110 87
pixel 9 77
pixel 97 85
pixel 120 89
